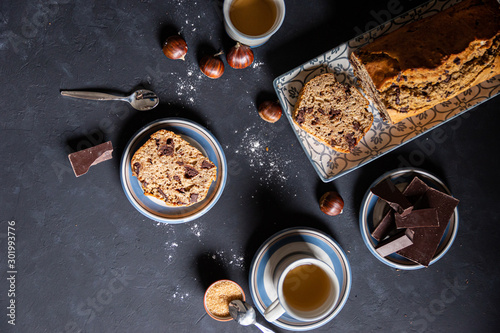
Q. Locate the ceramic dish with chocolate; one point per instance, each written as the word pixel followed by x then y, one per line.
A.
pixel 408 219
pixel 197 137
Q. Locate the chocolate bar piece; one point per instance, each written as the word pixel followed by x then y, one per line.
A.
pixel 386 225
pixel 419 218
pixel 426 240
pixel 386 191
pixel 82 160
pixel 415 190
pixel 395 243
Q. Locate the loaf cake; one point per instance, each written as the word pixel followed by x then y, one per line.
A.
pixel 334 113
pixel 172 170
pixel 429 61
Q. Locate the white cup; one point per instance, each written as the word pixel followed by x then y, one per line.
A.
pixel 303 278
pixel 251 40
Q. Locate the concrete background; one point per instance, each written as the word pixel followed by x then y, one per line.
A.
pixel 87 261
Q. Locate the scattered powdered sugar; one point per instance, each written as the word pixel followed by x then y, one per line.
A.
pixel 264 154
pixel 256 64
pixel 230 258
pixel 170 250
pixel 179 295
pixel 196 229
pixel 187 85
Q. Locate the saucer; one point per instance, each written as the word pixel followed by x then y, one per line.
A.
pixel 283 243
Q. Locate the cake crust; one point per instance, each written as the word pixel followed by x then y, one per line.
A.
pixel 429 61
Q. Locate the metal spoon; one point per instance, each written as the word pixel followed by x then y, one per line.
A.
pixel 244 314
pixel 142 100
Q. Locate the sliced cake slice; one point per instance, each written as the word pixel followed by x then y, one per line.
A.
pixel 172 170
pixel 334 113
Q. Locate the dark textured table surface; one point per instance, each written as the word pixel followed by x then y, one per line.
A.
pixel 87 261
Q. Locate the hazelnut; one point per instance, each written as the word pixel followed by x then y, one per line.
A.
pixel 331 203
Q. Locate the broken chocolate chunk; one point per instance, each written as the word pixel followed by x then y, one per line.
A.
pixel 82 160
pixel 190 172
pixel 399 241
pixel 193 197
pixel 415 189
pixel 420 218
pixel 386 191
pixel 386 225
pixel 426 240
pixel 206 165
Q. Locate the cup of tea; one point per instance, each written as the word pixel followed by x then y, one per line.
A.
pixel 253 22
pixel 307 289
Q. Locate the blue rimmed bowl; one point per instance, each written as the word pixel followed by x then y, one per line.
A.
pixel 198 137
pixel 372 209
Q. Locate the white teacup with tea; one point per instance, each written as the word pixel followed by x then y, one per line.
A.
pixel 307 289
pixel 253 22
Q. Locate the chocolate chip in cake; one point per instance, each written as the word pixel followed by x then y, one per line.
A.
pixel 333 113
pixel 179 163
pixel 166 150
pixel 177 178
pixel 356 125
pixel 301 116
pixel 448 78
pixel 456 61
pixel 190 172
pixel 137 167
pixel 193 197
pixel 181 190
pixel 404 109
pixel 351 141
pixel 162 193
pixel 206 165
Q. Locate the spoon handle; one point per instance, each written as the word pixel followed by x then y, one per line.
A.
pixel 96 96
pixel 263 328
